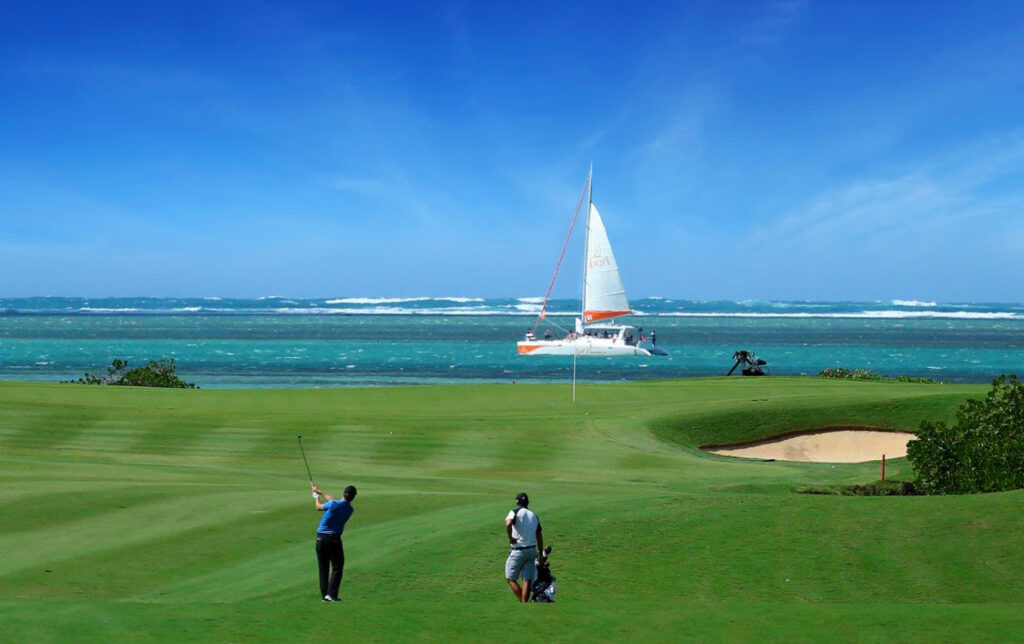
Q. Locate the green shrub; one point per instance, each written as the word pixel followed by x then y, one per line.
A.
pixel 982 452
pixel 867 374
pixel 158 373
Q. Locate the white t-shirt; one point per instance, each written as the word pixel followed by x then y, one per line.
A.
pixel 524 529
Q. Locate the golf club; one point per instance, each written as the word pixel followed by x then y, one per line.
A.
pixel 305 461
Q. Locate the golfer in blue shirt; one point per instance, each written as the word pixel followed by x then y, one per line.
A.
pixel 330 552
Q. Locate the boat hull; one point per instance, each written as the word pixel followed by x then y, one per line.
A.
pixel 579 347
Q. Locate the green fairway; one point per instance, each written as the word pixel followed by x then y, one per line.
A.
pixel 139 514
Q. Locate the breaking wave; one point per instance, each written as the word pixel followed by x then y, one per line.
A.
pixel 400 300
pixel 512 306
pixel 880 315
pixel 913 303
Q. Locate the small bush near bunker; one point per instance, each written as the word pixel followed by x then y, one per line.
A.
pixel 982 452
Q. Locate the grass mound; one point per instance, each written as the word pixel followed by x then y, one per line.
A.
pixel 875 488
pixel 150 514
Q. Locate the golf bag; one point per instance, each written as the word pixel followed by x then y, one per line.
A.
pixel 543 587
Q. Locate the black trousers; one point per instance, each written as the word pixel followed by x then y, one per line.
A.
pixel 330 557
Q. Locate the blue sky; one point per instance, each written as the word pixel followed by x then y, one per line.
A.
pixel 765 150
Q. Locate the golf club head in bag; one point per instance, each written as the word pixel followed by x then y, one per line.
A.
pixel 543 587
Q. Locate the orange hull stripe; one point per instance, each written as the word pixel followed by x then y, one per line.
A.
pixel 527 348
pixel 593 316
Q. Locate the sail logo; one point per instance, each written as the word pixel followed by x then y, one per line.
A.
pixel 597 262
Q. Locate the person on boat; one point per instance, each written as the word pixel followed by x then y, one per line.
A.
pixel 525 540
pixel 547 334
pixel 529 335
pixel 654 338
pixel 629 337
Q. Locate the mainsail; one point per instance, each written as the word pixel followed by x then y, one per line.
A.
pixel 603 294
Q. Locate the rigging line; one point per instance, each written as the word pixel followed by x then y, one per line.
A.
pixel 558 264
pixel 558 326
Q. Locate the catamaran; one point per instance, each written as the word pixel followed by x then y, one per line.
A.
pixel 604 299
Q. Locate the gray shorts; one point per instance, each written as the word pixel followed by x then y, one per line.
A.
pixel 521 563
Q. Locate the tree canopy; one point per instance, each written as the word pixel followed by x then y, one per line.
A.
pixel 982 452
pixel 157 373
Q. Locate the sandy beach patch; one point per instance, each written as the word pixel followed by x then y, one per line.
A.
pixel 828 445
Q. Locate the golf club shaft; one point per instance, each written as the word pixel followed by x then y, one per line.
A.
pixel 305 461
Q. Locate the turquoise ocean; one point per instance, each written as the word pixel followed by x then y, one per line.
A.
pixel 346 341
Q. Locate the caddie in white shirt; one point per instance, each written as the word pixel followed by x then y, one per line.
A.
pixel 525 539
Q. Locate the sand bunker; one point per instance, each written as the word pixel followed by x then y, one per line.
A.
pixel 829 445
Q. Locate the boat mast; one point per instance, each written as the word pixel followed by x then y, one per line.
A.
pixel 586 242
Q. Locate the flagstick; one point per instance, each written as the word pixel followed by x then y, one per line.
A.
pixel 574 369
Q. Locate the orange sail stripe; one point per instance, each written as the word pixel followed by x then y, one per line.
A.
pixel 593 316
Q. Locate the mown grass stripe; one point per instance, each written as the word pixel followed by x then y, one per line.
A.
pixel 654 539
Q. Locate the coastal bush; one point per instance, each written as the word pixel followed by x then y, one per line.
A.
pixel 867 374
pixel 982 452
pixel 158 373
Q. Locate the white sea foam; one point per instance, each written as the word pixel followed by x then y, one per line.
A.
pixel 397 310
pixel 311 311
pixel 527 308
pixel 531 306
pixel 530 300
pixel 375 300
pixel 533 309
pixel 184 309
pixel 213 299
pixel 401 300
pixel 913 303
pixel 880 315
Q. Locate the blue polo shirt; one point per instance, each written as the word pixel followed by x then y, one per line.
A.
pixel 336 513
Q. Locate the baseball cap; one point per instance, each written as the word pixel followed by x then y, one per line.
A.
pixel 522 499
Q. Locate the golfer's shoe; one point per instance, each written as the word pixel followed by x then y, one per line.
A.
pixel 328 598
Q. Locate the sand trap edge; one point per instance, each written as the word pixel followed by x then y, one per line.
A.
pixel 712 448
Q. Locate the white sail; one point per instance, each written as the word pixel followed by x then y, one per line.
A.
pixel 603 294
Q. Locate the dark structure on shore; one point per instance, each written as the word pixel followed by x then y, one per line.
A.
pixel 752 365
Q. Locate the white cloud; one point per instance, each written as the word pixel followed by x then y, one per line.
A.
pixel 949 189
pixel 941 228
pixel 770 27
